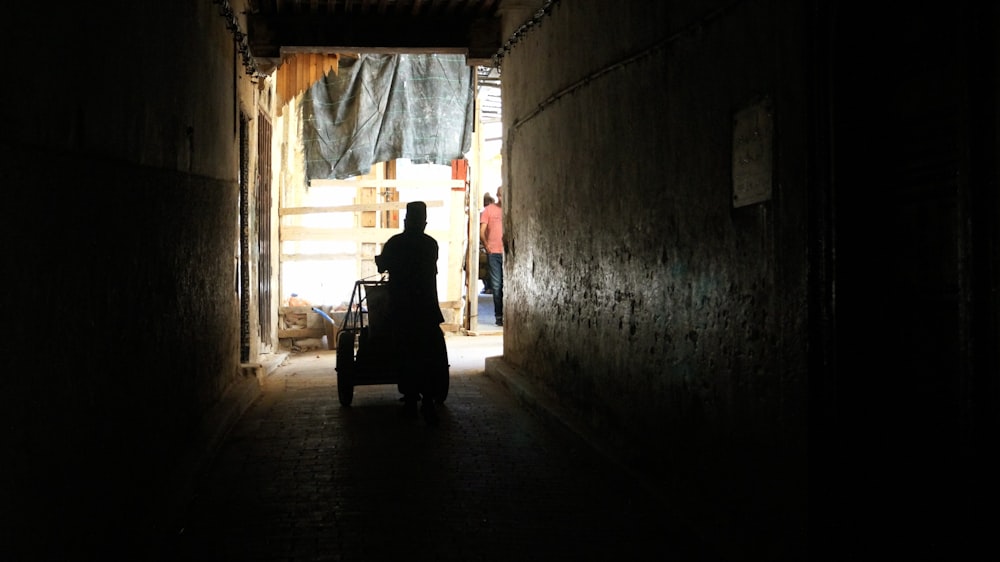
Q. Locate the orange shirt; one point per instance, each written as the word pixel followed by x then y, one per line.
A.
pixel 492 217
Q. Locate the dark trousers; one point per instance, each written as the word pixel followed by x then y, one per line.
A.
pixel 496 281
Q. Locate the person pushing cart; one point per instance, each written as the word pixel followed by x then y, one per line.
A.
pixel 415 318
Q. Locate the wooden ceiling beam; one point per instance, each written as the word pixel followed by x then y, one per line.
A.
pixel 269 34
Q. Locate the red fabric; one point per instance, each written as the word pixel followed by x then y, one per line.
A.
pixel 459 169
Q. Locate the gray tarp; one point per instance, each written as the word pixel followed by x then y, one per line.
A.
pixel 384 107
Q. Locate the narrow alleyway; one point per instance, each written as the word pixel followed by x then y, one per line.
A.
pixel 301 478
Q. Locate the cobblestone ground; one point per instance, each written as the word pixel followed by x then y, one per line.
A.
pixel 302 478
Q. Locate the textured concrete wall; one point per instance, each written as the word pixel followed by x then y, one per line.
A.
pixel 121 316
pixel 637 294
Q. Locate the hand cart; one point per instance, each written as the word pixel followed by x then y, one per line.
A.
pixel 366 351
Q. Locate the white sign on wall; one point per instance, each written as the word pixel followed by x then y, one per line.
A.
pixel 753 136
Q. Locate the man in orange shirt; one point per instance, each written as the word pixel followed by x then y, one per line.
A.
pixel 491 237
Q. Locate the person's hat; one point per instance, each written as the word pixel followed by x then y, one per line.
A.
pixel 416 211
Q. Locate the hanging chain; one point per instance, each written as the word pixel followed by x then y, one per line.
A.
pixel 242 43
pixel 521 31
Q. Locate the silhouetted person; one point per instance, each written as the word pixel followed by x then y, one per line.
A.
pixel 415 312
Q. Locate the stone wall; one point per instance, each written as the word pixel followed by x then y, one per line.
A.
pixel 122 315
pixel 637 294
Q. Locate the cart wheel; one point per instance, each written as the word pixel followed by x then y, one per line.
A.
pixel 345 368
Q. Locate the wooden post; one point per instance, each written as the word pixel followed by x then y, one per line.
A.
pixel 369 219
pixel 390 218
pixel 475 198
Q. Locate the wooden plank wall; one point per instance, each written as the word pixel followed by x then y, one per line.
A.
pixel 299 71
pixel 377 217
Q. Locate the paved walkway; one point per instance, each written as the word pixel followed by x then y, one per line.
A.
pixel 301 478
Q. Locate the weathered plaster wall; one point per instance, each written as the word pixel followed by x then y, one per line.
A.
pixel 636 294
pixel 121 330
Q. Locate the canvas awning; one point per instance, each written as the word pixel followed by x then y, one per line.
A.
pixel 382 107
